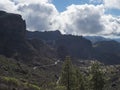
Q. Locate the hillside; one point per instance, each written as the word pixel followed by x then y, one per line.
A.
pixel 33 60
pixel 19 55
pixel 13 41
pixel 109 50
pixel 95 39
pixel 75 46
pixel 78 47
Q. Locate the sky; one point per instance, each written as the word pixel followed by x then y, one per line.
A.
pixel 76 17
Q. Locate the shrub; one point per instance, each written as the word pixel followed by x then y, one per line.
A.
pixel 60 88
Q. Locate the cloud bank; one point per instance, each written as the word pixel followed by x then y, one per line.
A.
pixel 83 19
pixel 42 15
pixel 112 4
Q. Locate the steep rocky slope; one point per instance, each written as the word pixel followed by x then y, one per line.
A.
pixel 78 47
pixel 13 41
pixel 74 46
pixel 21 59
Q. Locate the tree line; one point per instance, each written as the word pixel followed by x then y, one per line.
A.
pixel 73 79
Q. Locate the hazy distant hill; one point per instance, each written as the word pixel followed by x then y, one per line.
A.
pixel 95 39
pixel 117 39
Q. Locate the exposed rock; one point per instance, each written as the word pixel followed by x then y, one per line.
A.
pixel 13 42
pixel 12 27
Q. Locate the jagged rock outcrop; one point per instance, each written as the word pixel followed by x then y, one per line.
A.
pixel 13 41
pixel 12 33
pixel 12 26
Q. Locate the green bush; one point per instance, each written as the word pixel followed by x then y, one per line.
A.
pixel 60 88
pixel 10 81
pixel 31 86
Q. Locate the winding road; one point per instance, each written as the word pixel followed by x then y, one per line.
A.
pixel 55 63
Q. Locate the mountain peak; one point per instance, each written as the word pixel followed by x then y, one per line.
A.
pixel 11 25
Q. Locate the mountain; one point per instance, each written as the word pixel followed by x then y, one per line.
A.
pixel 117 39
pixel 27 60
pixel 108 46
pixel 32 60
pixel 41 47
pixel 95 39
pixel 74 46
pixel 108 51
pixel 79 47
pixel 46 36
pixel 14 44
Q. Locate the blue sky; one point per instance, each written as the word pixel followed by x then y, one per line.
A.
pixel 62 4
pixel 82 17
pixel 114 12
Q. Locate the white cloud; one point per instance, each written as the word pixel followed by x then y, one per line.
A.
pixel 7 5
pixel 112 25
pixel 86 19
pixel 83 19
pixel 39 16
pixel 112 4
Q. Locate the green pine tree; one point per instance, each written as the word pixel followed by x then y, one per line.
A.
pixel 97 80
pixel 80 83
pixel 67 75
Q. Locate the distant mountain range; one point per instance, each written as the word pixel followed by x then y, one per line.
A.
pixel 117 39
pixel 44 47
pixel 79 47
pixel 94 39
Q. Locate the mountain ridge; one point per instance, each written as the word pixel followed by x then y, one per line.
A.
pixel 65 45
pixel 18 43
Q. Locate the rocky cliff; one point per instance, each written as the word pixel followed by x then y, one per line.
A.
pixel 13 41
pixel 12 26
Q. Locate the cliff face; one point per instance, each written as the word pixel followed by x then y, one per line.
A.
pixel 12 26
pixel 12 33
pixel 13 41
pixel 24 54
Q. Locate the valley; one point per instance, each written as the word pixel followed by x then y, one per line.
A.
pixel 34 60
